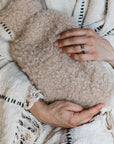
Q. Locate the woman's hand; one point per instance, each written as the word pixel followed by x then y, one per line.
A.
pixel 63 113
pixel 96 47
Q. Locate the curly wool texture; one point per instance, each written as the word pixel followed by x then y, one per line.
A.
pixel 56 75
pixel 17 12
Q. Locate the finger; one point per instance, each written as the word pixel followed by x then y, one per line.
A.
pixel 84 57
pixel 91 112
pixel 74 107
pixel 71 41
pixel 74 49
pixel 86 115
pixel 75 32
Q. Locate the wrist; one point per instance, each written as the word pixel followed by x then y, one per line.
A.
pixel 38 106
pixel 39 109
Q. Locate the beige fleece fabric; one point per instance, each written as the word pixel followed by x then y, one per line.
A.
pixel 56 75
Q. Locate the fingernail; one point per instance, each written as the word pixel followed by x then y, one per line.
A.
pixel 101 105
pixel 58 36
pixel 56 43
pixel 61 50
pixel 69 54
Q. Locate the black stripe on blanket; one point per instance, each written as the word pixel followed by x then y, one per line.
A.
pixel 11 100
pixel 81 15
pixel 69 136
pixel 109 32
pixel 106 7
pixel 6 29
pixel 97 29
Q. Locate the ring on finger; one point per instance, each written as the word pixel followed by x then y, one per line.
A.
pixel 82 49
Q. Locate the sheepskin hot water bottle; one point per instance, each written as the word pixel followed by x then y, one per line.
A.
pixel 56 75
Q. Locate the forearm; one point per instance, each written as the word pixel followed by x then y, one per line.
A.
pixel 38 109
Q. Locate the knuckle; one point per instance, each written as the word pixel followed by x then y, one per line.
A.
pixel 69 40
pixel 73 40
pixel 92 39
pixel 72 123
pixel 95 56
pixel 93 48
pixel 74 48
pixel 76 122
pixel 89 31
pixel 68 104
pixel 77 48
pixel 82 58
pixel 62 43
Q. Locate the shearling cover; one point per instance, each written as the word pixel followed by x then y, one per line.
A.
pixel 56 75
